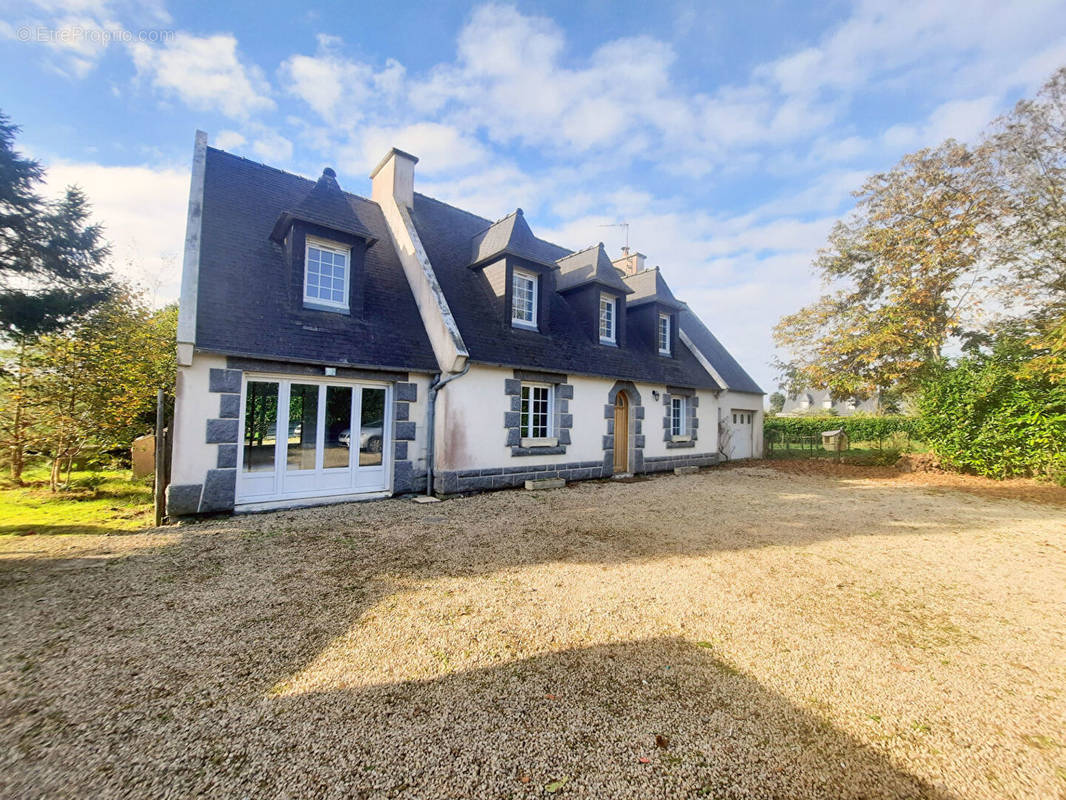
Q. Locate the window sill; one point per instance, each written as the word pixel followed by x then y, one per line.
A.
pixel 609 342
pixel 672 444
pixel 680 438
pixel 543 442
pixel 310 305
pixel 525 326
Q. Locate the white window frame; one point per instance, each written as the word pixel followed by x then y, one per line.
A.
pixel 521 322
pixel 609 304
pixel 331 247
pixel 663 351
pixel 526 432
pixel 678 416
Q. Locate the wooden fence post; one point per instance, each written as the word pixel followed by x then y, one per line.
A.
pixel 160 460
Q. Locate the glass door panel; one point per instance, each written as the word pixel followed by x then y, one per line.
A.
pixel 372 427
pixel 259 441
pixel 303 426
pixel 338 440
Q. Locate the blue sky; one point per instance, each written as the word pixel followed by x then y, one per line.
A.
pixel 728 135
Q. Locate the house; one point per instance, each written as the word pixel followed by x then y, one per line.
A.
pixel 333 347
pixel 819 401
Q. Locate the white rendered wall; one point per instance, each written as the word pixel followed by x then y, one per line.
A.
pixel 470 422
pixel 746 401
pixel 193 406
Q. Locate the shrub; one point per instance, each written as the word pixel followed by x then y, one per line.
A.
pixel 858 427
pixel 988 413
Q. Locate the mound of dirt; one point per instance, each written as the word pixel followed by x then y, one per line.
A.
pixel 919 462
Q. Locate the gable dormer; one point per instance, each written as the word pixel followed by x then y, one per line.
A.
pixel 325 247
pixel 596 292
pixel 652 310
pixel 519 272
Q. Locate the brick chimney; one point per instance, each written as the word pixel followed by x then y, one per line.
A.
pixel 629 263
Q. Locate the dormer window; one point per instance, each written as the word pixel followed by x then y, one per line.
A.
pixel 326 275
pixel 608 319
pixel 524 300
pixel 664 334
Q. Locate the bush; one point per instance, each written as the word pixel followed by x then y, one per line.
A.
pixel 859 427
pixel 988 413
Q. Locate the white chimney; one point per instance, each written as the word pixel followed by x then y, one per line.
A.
pixel 629 263
pixel 394 177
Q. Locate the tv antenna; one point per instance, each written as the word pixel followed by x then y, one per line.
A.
pixel 624 226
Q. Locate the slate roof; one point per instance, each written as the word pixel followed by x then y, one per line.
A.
pixel 732 373
pixel 324 205
pixel 648 286
pixel 447 232
pixel 590 265
pixel 510 235
pixel 247 301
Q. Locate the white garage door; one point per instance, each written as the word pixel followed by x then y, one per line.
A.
pixel 742 422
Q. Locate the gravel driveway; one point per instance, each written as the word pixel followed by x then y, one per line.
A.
pixel 735 633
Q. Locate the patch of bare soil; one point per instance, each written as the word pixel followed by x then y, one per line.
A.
pixel 740 633
pixel 926 475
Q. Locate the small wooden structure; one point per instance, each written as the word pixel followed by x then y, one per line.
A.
pixel 835 442
pixel 143 456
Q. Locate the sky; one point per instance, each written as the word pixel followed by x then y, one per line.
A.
pixel 729 136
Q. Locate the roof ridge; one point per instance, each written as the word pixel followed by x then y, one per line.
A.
pixel 489 222
pixel 456 208
pixel 575 252
pixel 283 171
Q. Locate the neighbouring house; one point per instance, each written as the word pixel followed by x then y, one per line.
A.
pixel 333 347
pixel 819 401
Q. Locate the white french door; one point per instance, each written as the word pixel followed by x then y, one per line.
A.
pixel 308 437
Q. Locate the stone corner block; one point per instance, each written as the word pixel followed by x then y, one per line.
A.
pixel 565 391
pixel 221 431
pixel 407 392
pixel 227 456
pixel 404 431
pixel 512 386
pixel 229 406
pixel 183 500
pixel 220 486
pixel 224 380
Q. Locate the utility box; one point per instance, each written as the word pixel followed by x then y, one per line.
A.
pixel 835 441
pixel 143 455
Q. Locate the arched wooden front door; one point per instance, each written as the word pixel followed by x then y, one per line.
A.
pixel 621 434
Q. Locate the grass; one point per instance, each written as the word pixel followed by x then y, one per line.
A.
pixel 872 453
pixel 106 501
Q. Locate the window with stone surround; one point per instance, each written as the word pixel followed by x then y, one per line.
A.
pixel 537 411
pixel 678 416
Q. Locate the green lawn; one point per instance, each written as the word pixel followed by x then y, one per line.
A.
pixel 115 504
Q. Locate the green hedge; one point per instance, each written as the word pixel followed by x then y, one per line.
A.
pixel 859 428
pixel 987 413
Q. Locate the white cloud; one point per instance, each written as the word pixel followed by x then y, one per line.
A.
pixel 338 89
pixel 229 140
pixel 439 148
pixel 76 33
pixel 143 212
pixel 273 148
pixel 205 73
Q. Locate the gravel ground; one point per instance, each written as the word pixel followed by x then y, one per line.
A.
pixel 735 633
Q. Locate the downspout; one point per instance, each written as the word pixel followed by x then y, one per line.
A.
pixel 431 413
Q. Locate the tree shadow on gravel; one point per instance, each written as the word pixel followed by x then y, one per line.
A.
pixel 656 718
